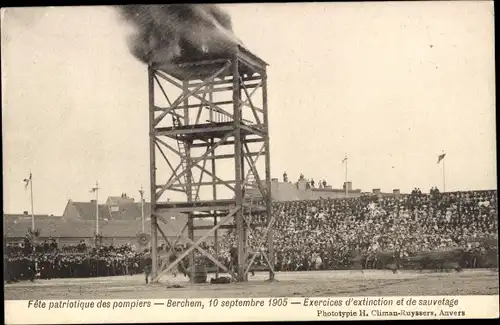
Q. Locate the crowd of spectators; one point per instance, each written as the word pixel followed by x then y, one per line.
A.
pixel 310 183
pixel 332 230
pixel 48 261
pixel 325 234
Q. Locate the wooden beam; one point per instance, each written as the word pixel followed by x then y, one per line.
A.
pixel 163 234
pixel 198 208
pixel 259 247
pixel 186 252
pixel 221 89
pixel 196 164
pixel 210 257
pixel 204 62
pixel 170 182
pixel 191 92
pixel 152 172
pixel 227 102
pixel 228 156
pixel 204 101
pixel 171 132
pixel 227 143
pixel 162 90
pixel 249 98
pixel 254 225
pixel 228 80
pixel 253 130
pixel 205 183
pixel 174 171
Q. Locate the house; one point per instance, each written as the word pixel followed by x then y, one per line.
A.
pixel 115 208
pixel 115 232
pixel 120 220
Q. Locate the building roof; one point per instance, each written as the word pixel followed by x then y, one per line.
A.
pixel 119 199
pixel 87 211
pixel 61 227
pixel 125 211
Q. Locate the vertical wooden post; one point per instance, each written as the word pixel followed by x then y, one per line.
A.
pixel 152 174
pixel 243 187
pixel 268 198
pixel 189 177
pixel 210 89
pixel 238 169
pixel 214 196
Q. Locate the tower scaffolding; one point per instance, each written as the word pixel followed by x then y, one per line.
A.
pixel 234 131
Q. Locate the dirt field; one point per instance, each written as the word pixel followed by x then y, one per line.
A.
pixel 305 284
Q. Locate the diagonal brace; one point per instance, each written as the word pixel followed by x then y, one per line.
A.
pixel 173 179
pixel 190 249
pixel 190 93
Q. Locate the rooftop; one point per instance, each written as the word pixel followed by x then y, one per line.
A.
pixel 60 227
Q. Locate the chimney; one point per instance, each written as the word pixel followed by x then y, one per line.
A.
pixel 376 191
pixel 349 186
pixel 396 192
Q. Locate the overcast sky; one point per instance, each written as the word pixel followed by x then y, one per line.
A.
pixel 390 84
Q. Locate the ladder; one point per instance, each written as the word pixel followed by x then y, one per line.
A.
pixel 249 185
pixel 184 165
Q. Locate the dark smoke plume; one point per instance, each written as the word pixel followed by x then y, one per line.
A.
pixel 166 34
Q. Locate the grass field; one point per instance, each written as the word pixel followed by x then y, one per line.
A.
pixel 301 284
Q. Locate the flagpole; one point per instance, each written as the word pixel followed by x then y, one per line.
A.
pixel 142 207
pixel 97 208
pixel 32 211
pixel 345 183
pixel 35 264
pixel 444 178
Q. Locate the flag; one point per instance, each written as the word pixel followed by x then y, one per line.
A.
pixel 27 182
pixel 94 189
pixel 441 157
pixel 344 160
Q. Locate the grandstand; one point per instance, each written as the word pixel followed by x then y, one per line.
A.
pixel 329 229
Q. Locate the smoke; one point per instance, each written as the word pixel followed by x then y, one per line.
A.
pixel 165 34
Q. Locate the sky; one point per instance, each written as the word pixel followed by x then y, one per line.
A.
pixel 391 85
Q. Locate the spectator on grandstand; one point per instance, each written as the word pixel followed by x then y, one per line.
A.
pixel 285 177
pixel 305 230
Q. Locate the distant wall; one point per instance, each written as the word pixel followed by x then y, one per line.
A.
pixel 298 191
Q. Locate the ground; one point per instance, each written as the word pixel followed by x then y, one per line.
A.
pixel 300 284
